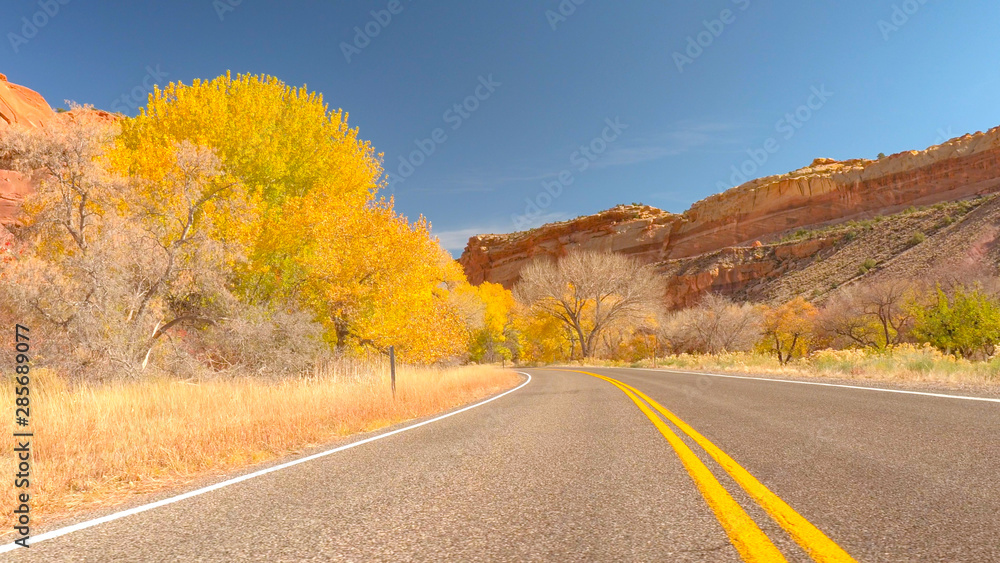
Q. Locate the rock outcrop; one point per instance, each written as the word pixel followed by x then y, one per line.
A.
pixel 825 193
pixel 630 229
pixel 21 107
pixel 738 271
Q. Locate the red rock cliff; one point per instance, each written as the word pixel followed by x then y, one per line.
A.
pixel 22 107
pixel 825 192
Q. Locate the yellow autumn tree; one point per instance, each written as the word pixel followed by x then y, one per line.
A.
pixel 543 339
pixel 373 278
pixel 309 227
pixel 492 337
pixel 789 329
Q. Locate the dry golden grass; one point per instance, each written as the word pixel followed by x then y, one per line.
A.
pixel 100 445
pixel 905 363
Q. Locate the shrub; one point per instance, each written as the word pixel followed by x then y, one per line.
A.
pixel 789 329
pixel 873 315
pixel 714 326
pixel 917 238
pixel 867 266
pixel 966 323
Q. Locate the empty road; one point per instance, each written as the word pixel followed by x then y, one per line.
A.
pixel 611 465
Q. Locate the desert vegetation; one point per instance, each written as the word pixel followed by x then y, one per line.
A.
pixel 104 442
pixel 589 293
pixel 600 307
pixel 175 239
pixel 202 281
pixel 942 329
pixel 949 211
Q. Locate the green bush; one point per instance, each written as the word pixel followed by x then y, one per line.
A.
pixel 917 238
pixel 867 266
pixel 966 324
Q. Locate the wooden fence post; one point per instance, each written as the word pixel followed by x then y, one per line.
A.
pixel 392 369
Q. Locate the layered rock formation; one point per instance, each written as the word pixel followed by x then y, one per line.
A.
pixel 630 229
pixel 21 107
pixel 826 192
pixel 738 271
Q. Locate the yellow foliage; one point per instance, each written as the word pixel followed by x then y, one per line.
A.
pixel 499 304
pixel 544 338
pixel 489 309
pixel 788 329
pixel 304 212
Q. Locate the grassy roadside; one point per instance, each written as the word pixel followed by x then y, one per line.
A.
pixel 99 445
pixel 903 364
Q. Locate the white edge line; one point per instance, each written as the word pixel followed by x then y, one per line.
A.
pixel 132 511
pixel 942 395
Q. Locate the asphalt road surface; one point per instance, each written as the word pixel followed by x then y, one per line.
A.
pixel 644 466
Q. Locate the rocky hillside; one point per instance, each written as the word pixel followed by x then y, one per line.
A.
pixel 22 107
pixel 732 241
pixel 19 106
pixel 630 229
pixel 914 243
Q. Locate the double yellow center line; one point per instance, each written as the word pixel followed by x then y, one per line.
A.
pixel 748 539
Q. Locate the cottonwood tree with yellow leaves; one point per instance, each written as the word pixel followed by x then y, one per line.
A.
pixel 789 329
pixel 312 231
pixel 490 319
pixel 233 223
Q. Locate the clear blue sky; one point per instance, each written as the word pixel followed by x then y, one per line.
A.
pixel 935 72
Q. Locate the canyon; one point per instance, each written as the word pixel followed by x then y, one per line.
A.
pixel 732 242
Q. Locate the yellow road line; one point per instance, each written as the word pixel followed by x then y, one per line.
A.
pixel 821 548
pixel 752 544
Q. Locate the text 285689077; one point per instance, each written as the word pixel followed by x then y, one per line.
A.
pixel 22 437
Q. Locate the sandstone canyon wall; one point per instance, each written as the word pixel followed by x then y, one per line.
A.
pixel 826 192
pixel 19 107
